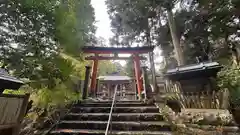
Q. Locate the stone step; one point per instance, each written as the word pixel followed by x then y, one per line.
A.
pixel 110 101
pixel 128 118
pixel 102 132
pixel 144 109
pixel 116 125
pixel 120 104
pixel 115 116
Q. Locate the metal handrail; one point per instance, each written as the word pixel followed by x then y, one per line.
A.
pixel 111 111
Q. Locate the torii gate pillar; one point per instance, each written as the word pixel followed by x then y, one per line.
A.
pixel 138 75
pixel 94 77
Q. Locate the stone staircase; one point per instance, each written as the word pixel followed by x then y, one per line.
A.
pixel 129 118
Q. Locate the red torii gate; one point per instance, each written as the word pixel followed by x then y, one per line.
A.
pixel 134 51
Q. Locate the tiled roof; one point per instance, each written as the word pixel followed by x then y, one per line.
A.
pixel 5 76
pixel 194 67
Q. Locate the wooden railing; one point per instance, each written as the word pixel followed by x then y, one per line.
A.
pixel 12 112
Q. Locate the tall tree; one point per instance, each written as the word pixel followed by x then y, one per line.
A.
pixel 140 18
pixel 205 29
pixel 175 37
pixel 33 33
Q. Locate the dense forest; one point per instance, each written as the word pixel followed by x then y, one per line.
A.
pixel 187 31
pixel 41 43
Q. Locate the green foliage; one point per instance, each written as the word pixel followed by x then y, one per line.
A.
pixel 229 78
pixel 206 28
pixel 40 41
pixel 128 23
pixel 74 25
pixel 142 23
pixel 108 67
pixel 14 92
pixel 35 32
pixel 129 68
pixel 78 65
pixel 63 92
pixel 58 96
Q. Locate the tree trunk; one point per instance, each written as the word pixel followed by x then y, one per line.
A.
pixel 151 59
pixel 235 55
pixel 175 39
pixel 152 66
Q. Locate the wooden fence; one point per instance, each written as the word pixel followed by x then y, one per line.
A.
pixel 204 100
pixel 199 100
pixel 12 111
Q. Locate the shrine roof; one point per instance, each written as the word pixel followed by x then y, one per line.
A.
pixel 115 78
pixel 199 69
pixel 110 50
pixel 9 82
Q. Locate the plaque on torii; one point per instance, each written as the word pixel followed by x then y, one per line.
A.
pixel 134 51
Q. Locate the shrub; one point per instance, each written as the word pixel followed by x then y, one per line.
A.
pixel 229 78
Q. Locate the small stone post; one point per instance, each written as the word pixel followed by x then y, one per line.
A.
pixel 135 89
pixel 145 83
pixel 86 81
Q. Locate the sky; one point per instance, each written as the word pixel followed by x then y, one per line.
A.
pixel 102 18
pixel 103 23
